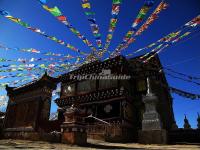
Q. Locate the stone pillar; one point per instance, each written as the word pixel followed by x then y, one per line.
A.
pixel 152 132
pixel 73 130
pixel 198 120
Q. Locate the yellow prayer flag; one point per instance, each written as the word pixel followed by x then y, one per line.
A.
pixel 86 5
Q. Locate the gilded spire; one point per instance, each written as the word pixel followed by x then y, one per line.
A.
pixel 149 89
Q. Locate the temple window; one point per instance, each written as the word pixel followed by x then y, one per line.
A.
pixel 86 86
pixel 141 85
pixel 104 84
pixel 69 89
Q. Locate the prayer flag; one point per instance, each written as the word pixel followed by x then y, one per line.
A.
pixel 117 1
pixel 86 5
pixel 54 11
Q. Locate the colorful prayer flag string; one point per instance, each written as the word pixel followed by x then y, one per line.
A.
pixel 36 30
pixel 184 94
pixel 113 21
pixel 53 67
pixel 93 24
pixel 161 47
pixel 35 51
pixel 18 75
pixel 149 21
pixel 140 17
pixel 190 77
pixel 55 11
pixel 162 6
pixel 15 82
pixel 172 37
pixel 25 60
pixel 167 45
pixel 152 18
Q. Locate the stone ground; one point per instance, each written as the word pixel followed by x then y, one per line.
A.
pixel 93 144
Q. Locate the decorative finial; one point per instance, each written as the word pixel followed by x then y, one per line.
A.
pixel 7 86
pixel 186 123
pixel 45 73
pixel 149 90
pixel 198 121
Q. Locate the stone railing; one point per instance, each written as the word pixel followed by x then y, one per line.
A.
pixel 115 132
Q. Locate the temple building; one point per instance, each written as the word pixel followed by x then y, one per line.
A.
pixel 110 91
pixel 118 102
pixel 28 108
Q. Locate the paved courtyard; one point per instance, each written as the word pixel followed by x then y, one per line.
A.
pixel 93 144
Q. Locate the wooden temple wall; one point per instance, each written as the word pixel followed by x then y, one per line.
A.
pixel 28 110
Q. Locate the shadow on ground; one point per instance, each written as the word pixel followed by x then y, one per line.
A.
pixel 99 146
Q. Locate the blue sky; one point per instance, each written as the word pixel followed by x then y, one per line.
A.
pixel 178 13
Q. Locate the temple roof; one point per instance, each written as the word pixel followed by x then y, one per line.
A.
pixel 95 67
pixel 32 84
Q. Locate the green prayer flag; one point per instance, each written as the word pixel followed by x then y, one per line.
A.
pixel 82 53
pixel 20 69
pixel 19 75
pixel 128 35
pixel 117 1
pixel 54 11
pixel 141 15
pixel 89 13
pixel 53 38
pixel 97 35
pixel 2 59
pixel 109 36
pixel 23 24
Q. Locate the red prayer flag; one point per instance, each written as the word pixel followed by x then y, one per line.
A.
pixel 62 18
